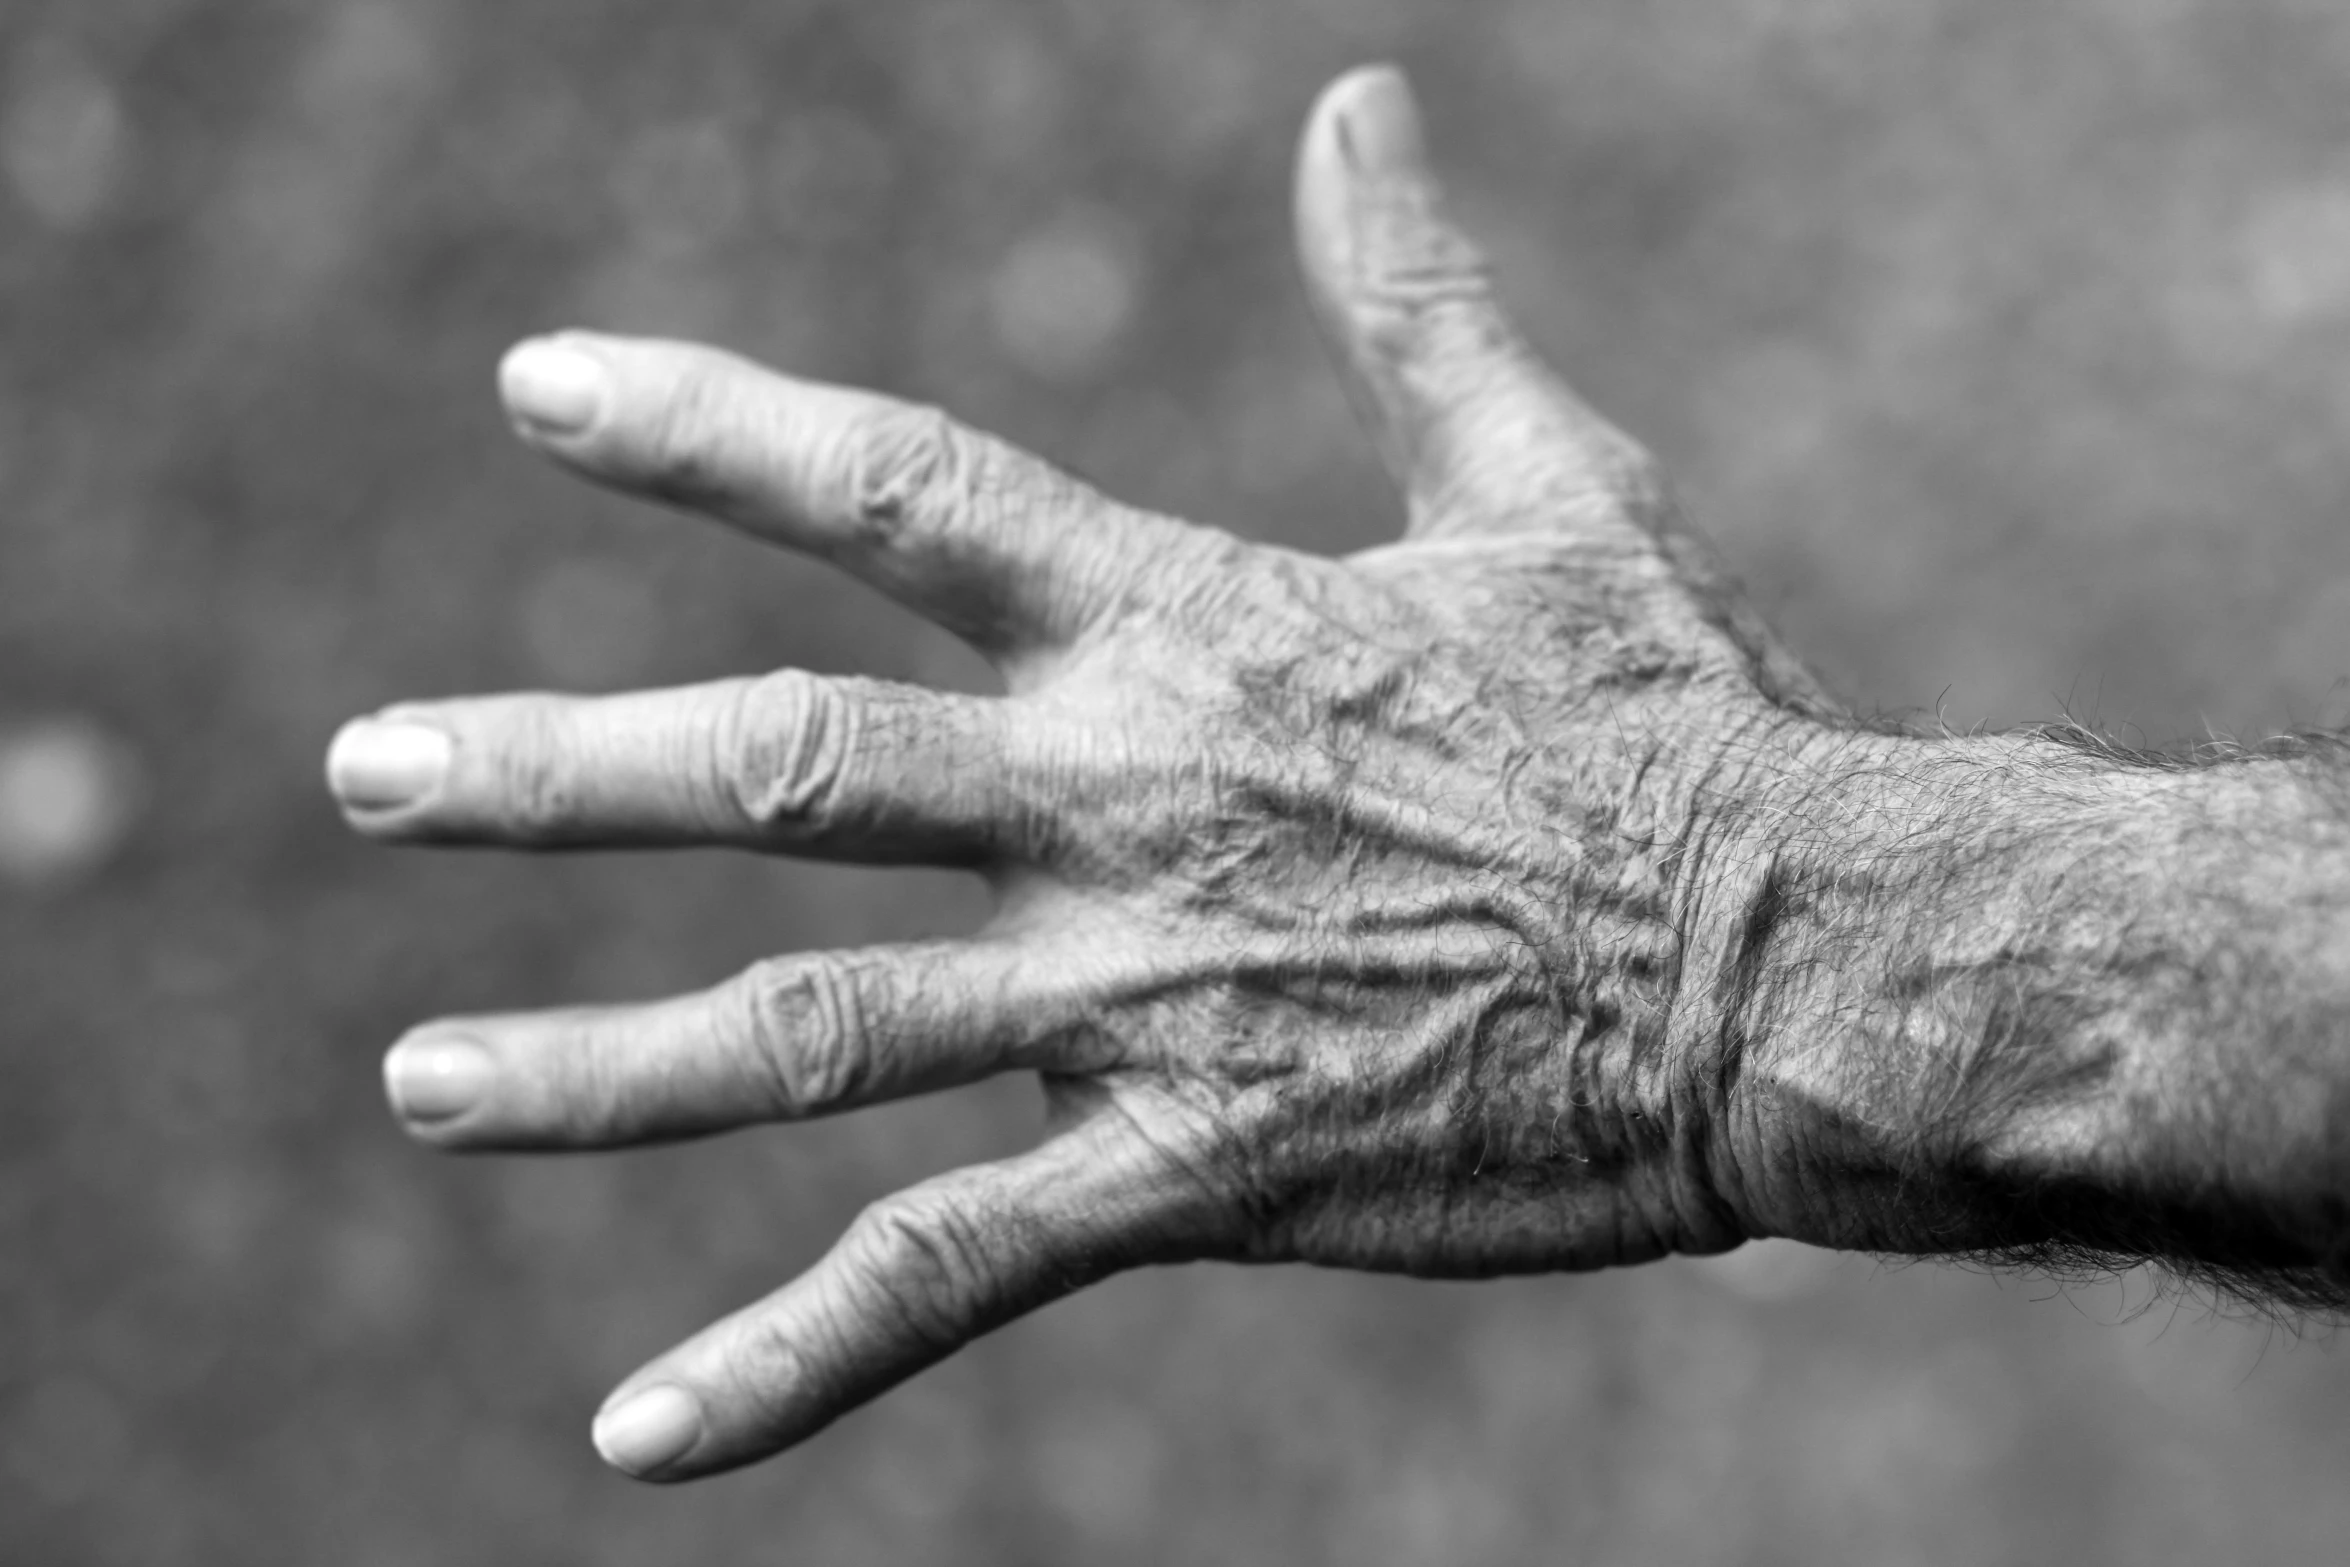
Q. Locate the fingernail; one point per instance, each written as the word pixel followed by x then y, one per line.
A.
pixel 1383 126
pixel 649 1430
pixel 557 388
pixel 375 764
pixel 437 1079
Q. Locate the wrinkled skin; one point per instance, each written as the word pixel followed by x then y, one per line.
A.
pixel 1370 912
pixel 1396 953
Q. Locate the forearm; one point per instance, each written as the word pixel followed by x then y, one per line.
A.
pixel 2062 1002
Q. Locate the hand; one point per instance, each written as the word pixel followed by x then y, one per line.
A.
pixel 1385 912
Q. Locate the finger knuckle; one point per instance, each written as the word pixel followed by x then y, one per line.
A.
pixel 807 1028
pixel 784 748
pixel 784 1366
pixel 1428 307
pixel 692 431
pixel 912 470
pixel 538 791
pixel 602 1098
pixel 924 1262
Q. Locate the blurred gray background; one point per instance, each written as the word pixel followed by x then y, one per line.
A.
pixel 2004 346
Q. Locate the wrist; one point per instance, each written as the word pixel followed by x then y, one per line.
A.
pixel 2019 997
pixel 1786 898
pixel 1888 990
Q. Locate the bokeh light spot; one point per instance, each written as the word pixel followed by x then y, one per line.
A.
pixel 62 139
pixel 68 795
pixel 1063 295
pixel 2297 255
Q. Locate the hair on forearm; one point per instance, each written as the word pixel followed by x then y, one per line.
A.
pixel 2097 1014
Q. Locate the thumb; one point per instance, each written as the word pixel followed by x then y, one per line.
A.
pixel 1480 434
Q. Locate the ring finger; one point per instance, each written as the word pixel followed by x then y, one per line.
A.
pixel 786 1040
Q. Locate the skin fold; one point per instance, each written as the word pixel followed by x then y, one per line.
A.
pixel 1502 899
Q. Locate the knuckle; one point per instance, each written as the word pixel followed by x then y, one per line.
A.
pixel 1410 249
pixel 911 469
pixel 782 1367
pixel 1429 303
pixel 538 793
pixel 784 747
pixel 691 433
pixel 602 1097
pixel 924 1263
pixel 806 1026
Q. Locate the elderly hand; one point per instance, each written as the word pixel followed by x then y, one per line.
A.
pixel 1391 912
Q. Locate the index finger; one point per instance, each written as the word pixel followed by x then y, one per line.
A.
pixel 991 542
